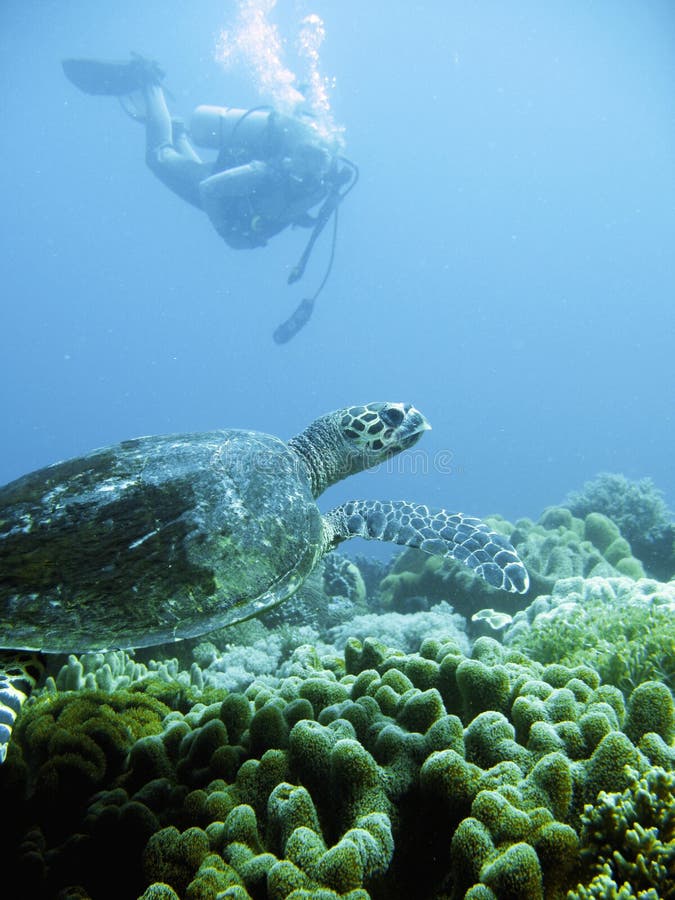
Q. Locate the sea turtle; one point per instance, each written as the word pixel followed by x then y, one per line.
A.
pixel 168 537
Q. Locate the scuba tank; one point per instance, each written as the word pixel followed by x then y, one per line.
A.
pixel 258 133
pixel 219 127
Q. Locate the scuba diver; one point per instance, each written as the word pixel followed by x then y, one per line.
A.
pixel 272 170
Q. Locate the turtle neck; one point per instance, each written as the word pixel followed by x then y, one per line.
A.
pixel 321 450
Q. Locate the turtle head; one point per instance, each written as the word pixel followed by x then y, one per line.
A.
pixel 350 440
pixel 376 431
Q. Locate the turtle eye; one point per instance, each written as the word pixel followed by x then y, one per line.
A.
pixel 392 416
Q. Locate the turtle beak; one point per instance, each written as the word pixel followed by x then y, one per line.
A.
pixel 414 422
pixel 412 427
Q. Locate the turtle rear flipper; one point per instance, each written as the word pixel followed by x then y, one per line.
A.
pixel 112 79
pixel 464 538
pixel 19 673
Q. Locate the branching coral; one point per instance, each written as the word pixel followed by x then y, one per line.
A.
pixel 628 838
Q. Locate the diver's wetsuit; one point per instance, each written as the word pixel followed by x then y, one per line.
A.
pixel 272 170
pixel 169 153
pixel 265 179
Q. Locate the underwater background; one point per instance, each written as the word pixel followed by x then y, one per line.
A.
pixel 505 262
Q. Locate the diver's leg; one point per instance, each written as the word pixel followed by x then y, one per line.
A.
pixel 181 142
pixel 175 163
pixel 158 128
pixel 217 191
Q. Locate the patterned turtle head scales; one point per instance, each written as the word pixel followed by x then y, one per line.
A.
pixel 356 438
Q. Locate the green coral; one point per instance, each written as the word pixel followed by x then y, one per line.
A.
pixel 159 891
pixel 313 783
pixel 624 629
pixel 300 856
pixel 174 857
pixel 640 512
pixel 483 687
pixel 607 767
pixel 558 546
pixel 637 507
pixel 561 545
pixel 79 741
pixel 515 874
pixel 650 709
pixel 628 839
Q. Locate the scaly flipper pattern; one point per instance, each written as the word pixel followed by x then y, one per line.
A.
pixel 464 538
pixel 19 674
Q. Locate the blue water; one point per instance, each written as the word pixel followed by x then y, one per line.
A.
pixel 505 263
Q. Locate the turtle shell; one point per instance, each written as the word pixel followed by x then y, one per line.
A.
pixel 153 540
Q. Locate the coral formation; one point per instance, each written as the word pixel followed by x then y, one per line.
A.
pixel 404 631
pixel 639 511
pixel 625 629
pixel 313 783
pixel 628 838
pixel 637 507
pixel 331 752
pixel 557 546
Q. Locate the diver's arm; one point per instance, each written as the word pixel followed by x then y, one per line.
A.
pixel 241 181
pixel 223 194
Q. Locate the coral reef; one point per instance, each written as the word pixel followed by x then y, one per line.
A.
pixel 639 511
pixel 557 546
pixel 625 629
pixel 331 752
pixel 313 782
pixel 404 631
pixel 637 507
pixel 561 545
pixel 628 838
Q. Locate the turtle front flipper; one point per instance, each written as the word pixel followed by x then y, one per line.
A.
pixel 19 674
pixel 436 531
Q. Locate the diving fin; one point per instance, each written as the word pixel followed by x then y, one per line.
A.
pixel 113 79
